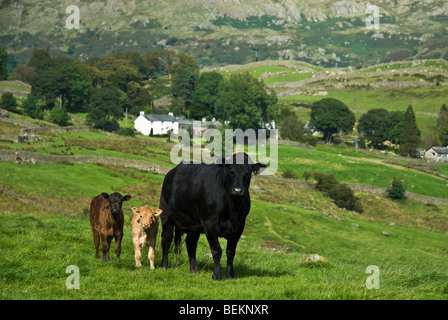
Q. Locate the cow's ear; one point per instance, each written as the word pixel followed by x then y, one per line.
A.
pixel 127 197
pixel 135 210
pixel 158 212
pixel 104 195
pixel 257 167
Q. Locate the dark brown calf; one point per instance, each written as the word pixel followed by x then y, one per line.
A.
pixel 106 221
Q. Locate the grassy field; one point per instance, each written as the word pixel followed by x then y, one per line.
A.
pixel 286 222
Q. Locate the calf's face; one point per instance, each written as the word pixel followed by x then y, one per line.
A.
pixel 146 215
pixel 115 201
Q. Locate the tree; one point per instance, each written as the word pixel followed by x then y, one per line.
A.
pixel 3 62
pixel 23 73
pixel 205 94
pixel 8 101
pixel 411 134
pixel 395 124
pixel 396 189
pixel 373 125
pixel 79 88
pixel 33 107
pixel 59 116
pixel 183 86
pixel 442 126
pixel 40 60
pixel 291 127
pixel 331 116
pixel 49 85
pixel 244 101
pixel 105 109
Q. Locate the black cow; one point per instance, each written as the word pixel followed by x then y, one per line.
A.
pixel 207 198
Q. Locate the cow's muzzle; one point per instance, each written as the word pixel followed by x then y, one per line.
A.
pixel 115 211
pixel 237 191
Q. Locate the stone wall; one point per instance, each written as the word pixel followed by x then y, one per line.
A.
pixel 32 157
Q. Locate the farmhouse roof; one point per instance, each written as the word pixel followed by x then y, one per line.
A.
pixel 161 117
pixel 440 150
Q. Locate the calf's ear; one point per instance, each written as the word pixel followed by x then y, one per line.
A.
pixel 127 197
pixel 158 212
pixel 104 195
pixel 257 167
pixel 135 210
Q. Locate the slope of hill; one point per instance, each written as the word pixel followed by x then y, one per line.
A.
pixel 406 240
pixel 327 33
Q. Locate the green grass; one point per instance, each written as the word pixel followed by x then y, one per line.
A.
pixel 268 265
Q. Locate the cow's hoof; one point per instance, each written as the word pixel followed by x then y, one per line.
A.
pixel 217 277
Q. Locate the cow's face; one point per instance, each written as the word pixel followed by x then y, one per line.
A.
pixel 239 175
pixel 146 215
pixel 116 201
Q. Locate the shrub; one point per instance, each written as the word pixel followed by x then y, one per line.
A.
pixel 289 174
pixel 59 116
pixel 396 189
pixel 306 175
pixel 342 195
pixel 325 182
pixel 126 132
pixel 8 101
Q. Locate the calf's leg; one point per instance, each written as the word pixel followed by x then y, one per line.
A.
pixel 105 245
pixel 138 254
pixel 96 242
pixel 118 245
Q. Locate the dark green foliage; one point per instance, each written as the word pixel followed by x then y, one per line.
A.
pixel 396 189
pixel 244 101
pixel 342 195
pixel 105 109
pixel 331 116
pixel 130 132
pixel 184 83
pixel 3 66
pixel 373 125
pixel 33 107
pixel 395 123
pixel 307 175
pixel 291 127
pixel 411 134
pixel 49 85
pixel 205 95
pixel 325 182
pixel 8 101
pixel 289 174
pixel 442 126
pixel 59 116
pixel 40 60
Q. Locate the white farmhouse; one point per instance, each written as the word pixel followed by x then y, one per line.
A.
pixel 156 124
pixel 439 154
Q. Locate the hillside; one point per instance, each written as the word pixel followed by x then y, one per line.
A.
pixel 392 86
pixel 44 205
pixel 326 33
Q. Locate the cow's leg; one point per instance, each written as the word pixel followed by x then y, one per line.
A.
pixel 192 242
pixel 177 241
pixel 230 254
pixel 167 237
pixel 96 242
pixel 105 244
pixel 118 245
pixel 216 253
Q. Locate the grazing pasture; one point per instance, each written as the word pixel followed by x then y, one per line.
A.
pixel 285 223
